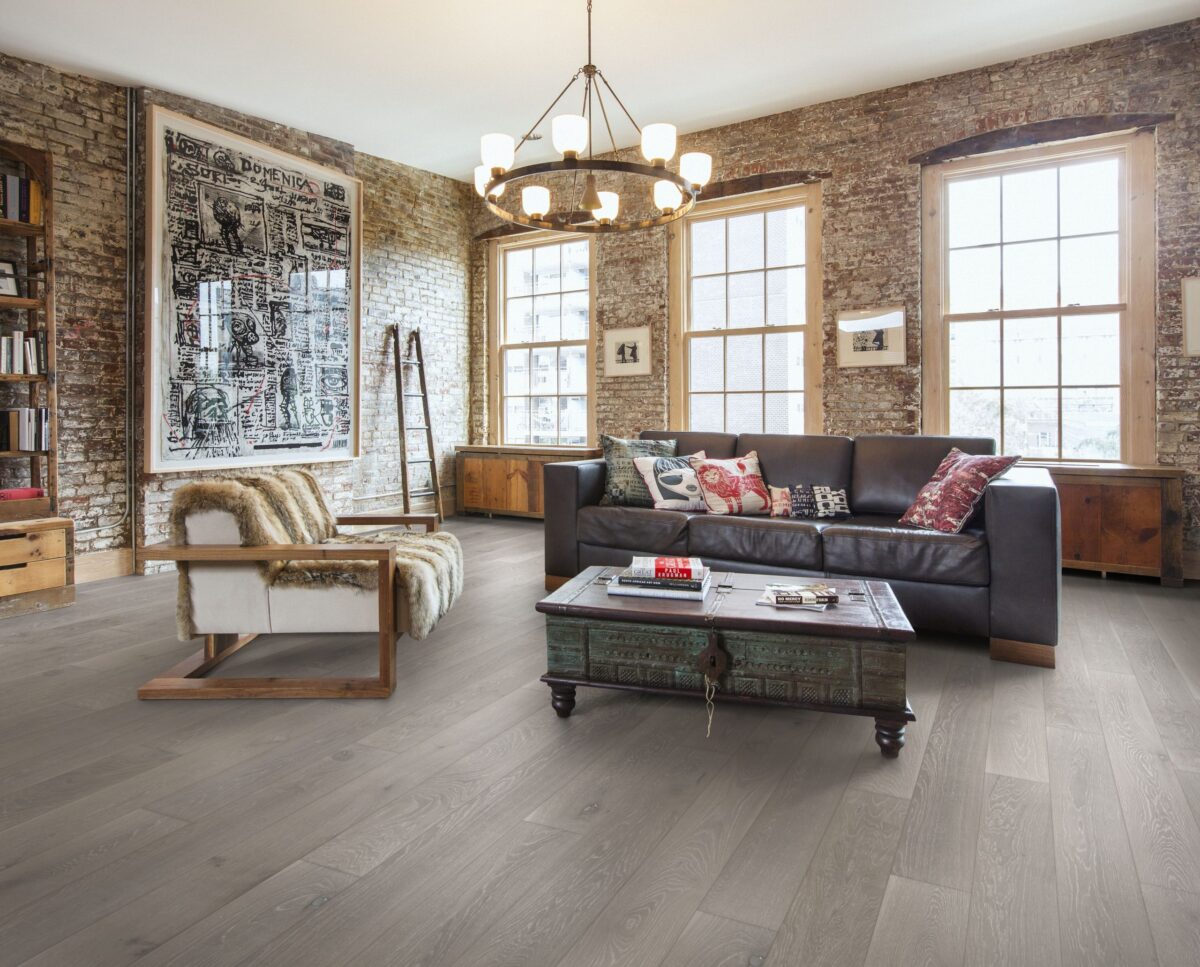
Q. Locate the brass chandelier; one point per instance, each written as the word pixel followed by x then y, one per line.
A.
pixel 583 206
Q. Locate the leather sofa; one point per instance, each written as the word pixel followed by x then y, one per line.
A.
pixel 999 578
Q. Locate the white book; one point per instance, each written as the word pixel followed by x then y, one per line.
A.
pixel 5 354
pixel 18 352
pixel 670 567
pixel 632 591
pixel 30 358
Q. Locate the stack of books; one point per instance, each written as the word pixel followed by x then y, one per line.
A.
pixel 23 353
pixel 806 597
pixel 20 199
pixel 25 428
pixel 683 578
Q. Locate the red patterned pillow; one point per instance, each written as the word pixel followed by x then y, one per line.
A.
pixel 732 486
pixel 946 502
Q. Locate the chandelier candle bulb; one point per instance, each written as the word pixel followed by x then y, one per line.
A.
pixel 535 199
pixel 667 196
pixel 696 167
pixel 610 205
pixel 497 152
pixel 482 177
pixel 658 143
pixel 569 134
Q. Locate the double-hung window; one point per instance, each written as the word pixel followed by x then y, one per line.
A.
pixel 1035 306
pixel 542 359
pixel 745 308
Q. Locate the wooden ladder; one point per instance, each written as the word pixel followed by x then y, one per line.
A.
pixel 412 359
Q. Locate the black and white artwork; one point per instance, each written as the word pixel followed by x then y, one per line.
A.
pixel 627 352
pixel 871 337
pixel 252 303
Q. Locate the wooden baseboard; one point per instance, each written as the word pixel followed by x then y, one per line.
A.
pixel 555 581
pixel 32 601
pixel 102 565
pixel 1021 652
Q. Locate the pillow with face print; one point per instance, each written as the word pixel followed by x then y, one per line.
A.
pixel 671 481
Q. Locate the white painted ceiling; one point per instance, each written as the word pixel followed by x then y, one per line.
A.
pixel 419 82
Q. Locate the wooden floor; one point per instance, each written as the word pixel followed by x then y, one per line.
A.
pixel 1035 817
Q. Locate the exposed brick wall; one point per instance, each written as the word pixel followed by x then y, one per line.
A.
pixel 871 233
pixel 81 121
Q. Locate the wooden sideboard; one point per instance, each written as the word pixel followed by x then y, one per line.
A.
pixel 1122 518
pixel 507 480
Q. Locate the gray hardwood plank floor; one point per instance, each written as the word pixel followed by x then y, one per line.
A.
pixel 1034 815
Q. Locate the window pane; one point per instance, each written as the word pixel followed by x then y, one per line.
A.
pixel 1089 197
pixel 974 280
pixel 785 297
pixel 783 360
pixel 743 362
pixel 1031 422
pixel 708 303
pixel 572 369
pixel 745 300
pixel 708 247
pixel 518 272
pixel 545 318
pixel 975 412
pixel 516 419
pixel 572 421
pixel 706 367
pixel 518 318
pixel 1092 423
pixel 1031 275
pixel 543 420
pixel 1090 271
pixel 743 413
pixel 1031 352
pixel 1091 350
pixel 1030 204
pixel 975 353
pixel 543 377
pixel 745 242
pixel 973 212
pixel 784 413
pixel 706 411
pixel 546 274
pixel 575 265
pixel 516 372
pixel 575 315
pixel 785 237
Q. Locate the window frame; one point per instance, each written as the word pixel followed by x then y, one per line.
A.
pixel 679 290
pixel 497 251
pixel 1136 255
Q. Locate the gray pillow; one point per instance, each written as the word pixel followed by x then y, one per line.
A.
pixel 623 485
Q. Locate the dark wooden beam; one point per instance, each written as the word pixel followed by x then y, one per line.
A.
pixel 1039 132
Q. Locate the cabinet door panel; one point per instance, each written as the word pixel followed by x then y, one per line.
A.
pixel 1131 526
pixel 1080 506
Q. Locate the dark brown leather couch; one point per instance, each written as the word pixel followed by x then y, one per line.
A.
pixel 999 578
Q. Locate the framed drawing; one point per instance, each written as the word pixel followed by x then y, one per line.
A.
pixel 872 337
pixel 8 278
pixel 627 352
pixel 252 302
pixel 1191 317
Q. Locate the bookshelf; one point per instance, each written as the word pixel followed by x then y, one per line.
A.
pixel 37 547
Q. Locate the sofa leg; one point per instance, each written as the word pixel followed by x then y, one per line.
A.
pixel 555 581
pixel 1021 652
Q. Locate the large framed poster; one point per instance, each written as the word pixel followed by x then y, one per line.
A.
pixel 252 302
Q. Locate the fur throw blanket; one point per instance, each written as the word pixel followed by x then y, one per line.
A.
pixel 289 508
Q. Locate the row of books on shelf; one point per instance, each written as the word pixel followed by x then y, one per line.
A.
pixel 23 353
pixel 21 199
pixel 25 428
pixel 682 578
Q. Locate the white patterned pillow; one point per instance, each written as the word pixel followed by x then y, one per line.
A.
pixel 671 481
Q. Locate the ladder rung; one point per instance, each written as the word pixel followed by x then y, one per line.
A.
pixel 418 460
pixel 421 493
pixel 410 362
pixel 415 395
pixel 421 427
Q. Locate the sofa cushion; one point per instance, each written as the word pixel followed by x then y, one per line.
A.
pixel 719 446
pixel 623 485
pixel 732 486
pixel 781 542
pixel 889 471
pixel 952 494
pixel 788 460
pixel 869 545
pixel 634 528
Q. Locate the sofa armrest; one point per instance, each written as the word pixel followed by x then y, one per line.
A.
pixel 566 487
pixel 1025 548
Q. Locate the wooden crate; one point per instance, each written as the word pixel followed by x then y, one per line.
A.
pixel 37 565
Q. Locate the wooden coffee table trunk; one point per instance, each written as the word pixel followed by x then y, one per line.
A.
pixel 850 659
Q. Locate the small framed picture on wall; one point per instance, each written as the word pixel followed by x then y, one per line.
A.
pixel 871 337
pixel 627 352
pixel 8 278
pixel 1191 317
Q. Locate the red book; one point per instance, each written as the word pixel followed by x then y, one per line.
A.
pixel 686 568
pixel 22 493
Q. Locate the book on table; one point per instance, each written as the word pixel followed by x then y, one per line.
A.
pixel 681 590
pixel 806 597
